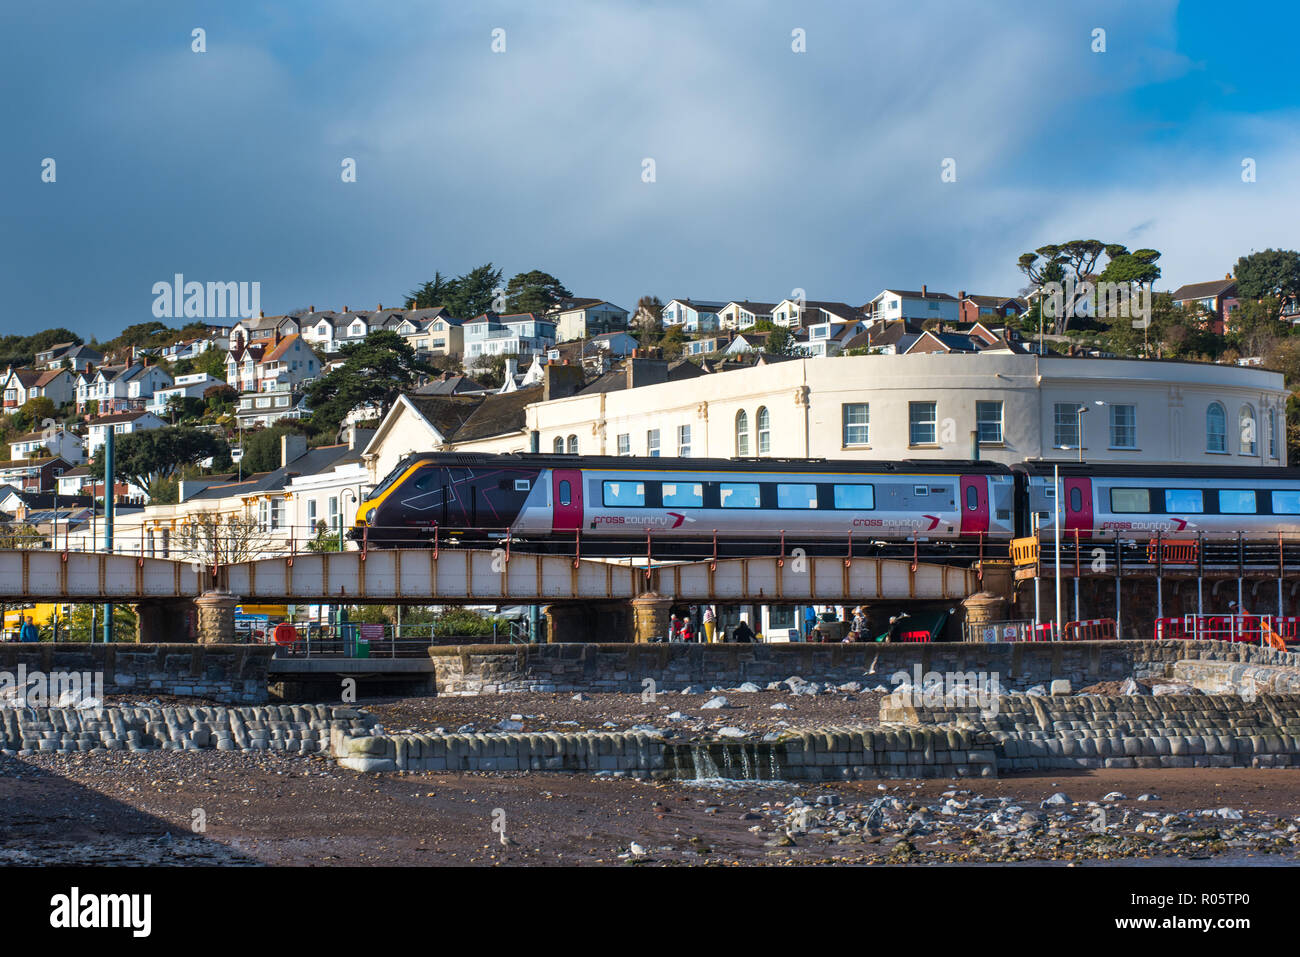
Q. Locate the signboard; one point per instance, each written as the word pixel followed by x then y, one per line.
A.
pixel 372 632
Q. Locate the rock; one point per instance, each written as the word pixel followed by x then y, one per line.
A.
pixel 1037 691
pixel 510 725
pixel 1061 686
pixel 713 704
pixel 1116 796
pixel 850 687
pixel 731 732
pixel 1130 687
pixel 779 706
pixel 689 689
pixel 1228 814
pixel 1148 797
pixel 580 697
pixel 1172 688
pixel 1057 798
pixel 677 716
pixel 748 687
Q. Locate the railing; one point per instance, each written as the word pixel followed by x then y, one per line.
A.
pixel 1254 629
pixel 367 640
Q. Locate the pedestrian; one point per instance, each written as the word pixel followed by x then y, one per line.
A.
pixel 28 631
pixel 675 629
pixel 809 622
pixel 858 630
pixel 742 632
pixel 710 623
pixel 688 630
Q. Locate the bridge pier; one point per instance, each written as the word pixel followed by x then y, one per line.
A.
pixel 166 621
pixel 216 613
pixel 650 615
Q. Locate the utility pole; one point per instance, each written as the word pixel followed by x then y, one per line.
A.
pixel 1056 535
pixel 108 521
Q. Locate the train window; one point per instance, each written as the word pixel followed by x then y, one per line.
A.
pixel 1286 502
pixel 855 496
pixel 522 485
pixel 625 493
pixel 1076 499
pixel 796 496
pixel 920 490
pixel 683 494
pixel 566 493
pixel 738 494
pixel 1237 501
pixel 1130 500
pixel 972 498
pixel 426 481
pixel 1184 500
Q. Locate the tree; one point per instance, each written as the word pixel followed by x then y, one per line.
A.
pixel 781 342
pixel 1077 260
pixel 648 319
pixel 21 350
pixel 262 448
pixel 326 540
pixel 534 291
pixel 1130 267
pixel 465 296
pixel 673 341
pixel 144 457
pixel 211 361
pixel 86 623
pixel 214 539
pixel 1273 272
pixel 375 371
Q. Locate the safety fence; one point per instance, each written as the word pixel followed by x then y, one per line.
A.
pixel 1094 629
pixel 1255 629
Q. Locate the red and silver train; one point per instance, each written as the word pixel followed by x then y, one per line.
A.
pixel 622 505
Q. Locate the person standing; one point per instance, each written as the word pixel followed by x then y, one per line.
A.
pixel 710 623
pixel 688 630
pixel 28 632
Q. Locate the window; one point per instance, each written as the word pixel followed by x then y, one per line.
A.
pixel 1184 500
pixel 855 496
pixel 311 515
pixel 988 421
pixel 624 493
pixel 652 443
pixel 764 431
pixel 625 444
pixel 573 445
pixel 1286 502
pixel 565 493
pixel 738 494
pixel 1067 425
pixel 1216 428
pixel 796 496
pixel 1130 500
pixel 684 441
pixel 683 494
pixel 1272 433
pixel 973 498
pixel 335 518
pixel 1249 439
pixel 1076 499
pixel 1123 427
pixel 922 418
pixel 1237 501
pixel 857 423
pixel 742 433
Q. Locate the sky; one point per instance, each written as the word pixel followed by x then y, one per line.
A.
pixel 774 170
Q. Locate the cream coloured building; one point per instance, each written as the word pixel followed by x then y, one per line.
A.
pixel 1016 407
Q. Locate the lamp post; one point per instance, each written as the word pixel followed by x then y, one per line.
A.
pixel 1056 542
pixel 356 497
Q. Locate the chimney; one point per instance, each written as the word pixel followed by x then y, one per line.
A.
pixel 293 445
pixel 645 372
pixel 922 290
pixel 311 308
pixel 512 368
pixel 261 314
pixel 561 381
pixel 379 307
pixel 962 294
pixel 346 309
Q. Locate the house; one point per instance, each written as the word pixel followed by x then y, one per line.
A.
pixel 706 345
pixel 693 315
pixel 747 343
pixel 808 312
pixel 893 304
pixel 883 337
pixel 190 386
pixel 57 385
pixel 742 314
pixel 76 358
pixel 34 475
pixel 616 345
pixel 120 388
pixel 973 308
pixel 522 334
pixel 17 385
pixel 433 332
pixel 279 364
pixel 263 327
pixel 59 441
pixel 121 423
pixel 448 384
pixel 1217 298
pixel 584 318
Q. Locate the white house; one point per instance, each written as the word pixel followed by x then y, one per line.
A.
pixel 190 386
pixel 523 334
pixel 892 304
pixel 122 423
pixel 60 442
pixel 584 318
pixel 693 315
pixel 741 314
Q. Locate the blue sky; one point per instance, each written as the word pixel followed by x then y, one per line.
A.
pixel 774 170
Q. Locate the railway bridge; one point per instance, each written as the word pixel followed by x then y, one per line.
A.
pixel 165 589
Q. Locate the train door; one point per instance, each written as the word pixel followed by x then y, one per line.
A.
pixel 566 499
pixel 974 504
pixel 1078 504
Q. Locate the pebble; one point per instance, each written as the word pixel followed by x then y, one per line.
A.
pixel 713 704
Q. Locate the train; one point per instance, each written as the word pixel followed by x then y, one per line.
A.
pixel 620 505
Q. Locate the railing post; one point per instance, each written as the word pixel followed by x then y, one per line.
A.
pixel 1160 576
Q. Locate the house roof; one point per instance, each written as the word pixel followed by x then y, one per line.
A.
pixel 33 436
pixel 758 308
pixel 500 413
pixel 996 302
pixel 452 385
pixel 280 348
pixel 118 417
pixel 615 380
pixel 27 377
pixel 917 294
pixel 446 413
pixel 708 305
pixel 49 376
pixel 1204 290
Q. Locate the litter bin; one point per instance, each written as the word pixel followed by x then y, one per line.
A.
pixel 363 647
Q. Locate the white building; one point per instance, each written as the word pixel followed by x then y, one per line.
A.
pixel 190 386
pixel 122 423
pixel 59 441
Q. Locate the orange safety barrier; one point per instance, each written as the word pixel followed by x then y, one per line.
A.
pixel 1263 629
pixel 1024 551
pixel 1173 551
pixel 1094 629
pixel 1043 632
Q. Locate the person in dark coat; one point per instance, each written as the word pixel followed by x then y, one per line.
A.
pixel 742 633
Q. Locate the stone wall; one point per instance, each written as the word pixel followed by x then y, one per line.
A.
pixel 824 754
pixel 298 728
pixel 231 674
pixel 492 669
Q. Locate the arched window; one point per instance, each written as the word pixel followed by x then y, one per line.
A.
pixel 1272 433
pixel 558 445
pixel 764 431
pixel 742 432
pixel 1216 428
pixel 573 445
pixel 1249 431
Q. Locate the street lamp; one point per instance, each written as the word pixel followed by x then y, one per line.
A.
pixel 356 497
